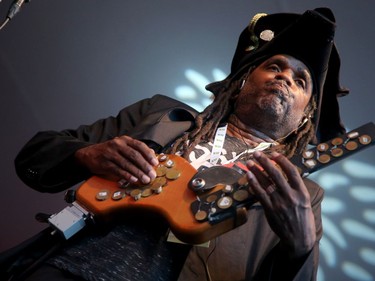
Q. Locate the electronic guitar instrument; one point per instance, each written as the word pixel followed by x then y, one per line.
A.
pixel 198 205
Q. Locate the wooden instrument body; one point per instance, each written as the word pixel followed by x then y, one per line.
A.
pixel 172 204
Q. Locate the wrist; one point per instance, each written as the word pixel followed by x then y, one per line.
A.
pixel 299 251
pixel 80 157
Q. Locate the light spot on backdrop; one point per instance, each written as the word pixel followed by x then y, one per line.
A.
pixel 195 93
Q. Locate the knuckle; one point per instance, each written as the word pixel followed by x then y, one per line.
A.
pixel 116 142
pixel 124 164
pixel 133 155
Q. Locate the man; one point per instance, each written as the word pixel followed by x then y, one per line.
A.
pixel 279 97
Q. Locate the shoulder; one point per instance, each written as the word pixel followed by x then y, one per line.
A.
pixel 166 101
pixel 159 104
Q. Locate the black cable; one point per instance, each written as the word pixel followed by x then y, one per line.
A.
pixel 13 10
pixel 20 261
pixel 4 23
pixel 38 262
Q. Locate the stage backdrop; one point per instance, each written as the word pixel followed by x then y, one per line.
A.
pixel 68 62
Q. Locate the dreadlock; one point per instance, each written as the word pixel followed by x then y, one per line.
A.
pixel 207 122
pixel 299 140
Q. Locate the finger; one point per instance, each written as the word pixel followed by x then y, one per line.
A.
pixel 262 192
pixel 275 173
pixel 131 160
pixel 108 169
pixel 107 160
pixel 128 170
pixel 290 171
pixel 125 177
pixel 142 148
pixel 142 156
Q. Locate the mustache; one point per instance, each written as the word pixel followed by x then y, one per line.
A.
pixel 280 88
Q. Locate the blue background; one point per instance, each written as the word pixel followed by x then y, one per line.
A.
pixel 66 62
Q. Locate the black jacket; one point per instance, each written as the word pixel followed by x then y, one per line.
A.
pixel 46 162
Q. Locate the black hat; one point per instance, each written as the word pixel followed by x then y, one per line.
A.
pixel 308 38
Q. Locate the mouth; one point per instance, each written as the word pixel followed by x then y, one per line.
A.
pixel 280 90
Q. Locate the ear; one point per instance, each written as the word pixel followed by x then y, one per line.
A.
pixel 245 76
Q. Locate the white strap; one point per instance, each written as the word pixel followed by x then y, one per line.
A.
pixel 218 144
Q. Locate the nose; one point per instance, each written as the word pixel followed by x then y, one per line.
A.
pixel 286 76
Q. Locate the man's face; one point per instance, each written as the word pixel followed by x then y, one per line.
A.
pixel 275 95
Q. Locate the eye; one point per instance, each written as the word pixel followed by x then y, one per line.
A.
pixel 274 67
pixel 301 83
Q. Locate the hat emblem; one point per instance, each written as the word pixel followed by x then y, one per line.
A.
pixel 267 35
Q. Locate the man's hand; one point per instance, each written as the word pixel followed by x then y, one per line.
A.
pixel 120 158
pixel 285 200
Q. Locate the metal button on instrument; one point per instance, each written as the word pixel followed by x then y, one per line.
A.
pixel 160 181
pixel 353 135
pixel 136 194
pixel 201 215
pixel 161 170
pixel 162 157
pixel 225 202
pixel 102 195
pixel 364 139
pixel 198 183
pixel 146 192
pixel 117 195
pixel 311 163
pixel 337 141
pixel 157 189
pixel 324 158
pixel 173 174
pixel 241 195
pixel 308 154
pixel 169 163
pixel 157 185
pixel 227 188
pixel 322 147
pixel 337 152
pixel 351 145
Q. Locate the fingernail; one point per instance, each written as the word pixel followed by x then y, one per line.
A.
pixel 152 174
pixel 154 161
pixel 145 179
pixel 133 179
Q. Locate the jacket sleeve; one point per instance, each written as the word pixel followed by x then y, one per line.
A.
pixel 46 163
pixel 277 265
